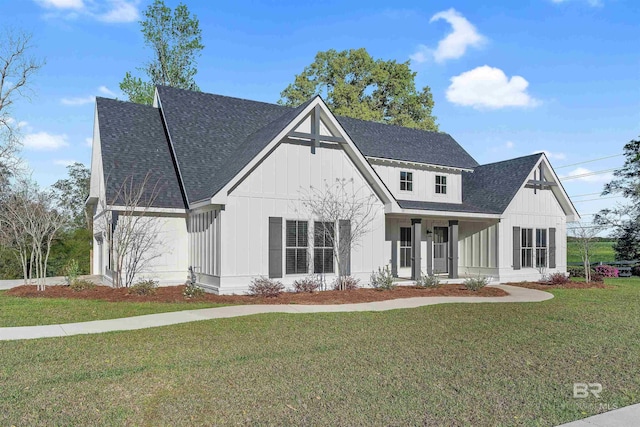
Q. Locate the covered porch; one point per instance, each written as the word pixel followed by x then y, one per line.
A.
pixel 449 247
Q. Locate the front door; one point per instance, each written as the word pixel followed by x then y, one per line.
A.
pixel 440 249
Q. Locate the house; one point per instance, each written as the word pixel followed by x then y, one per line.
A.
pixel 231 172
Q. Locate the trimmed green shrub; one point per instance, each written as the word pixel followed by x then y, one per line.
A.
pixel 192 291
pixel 82 285
pixel 428 281
pixel 308 284
pixel 348 283
pixel 265 287
pixel 382 279
pixel 476 283
pixel 144 287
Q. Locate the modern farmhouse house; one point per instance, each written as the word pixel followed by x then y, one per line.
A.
pixel 231 173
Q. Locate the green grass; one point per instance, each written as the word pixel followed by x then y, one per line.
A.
pixel 600 252
pixel 16 311
pixel 480 364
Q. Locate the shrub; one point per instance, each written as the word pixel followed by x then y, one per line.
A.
pixel 575 271
pixel 382 279
pixel 556 279
pixel 144 287
pixel 308 284
pixel 71 271
pixel 476 283
pixel 348 283
pixel 265 287
pixel 596 277
pixel 428 281
pixel 192 291
pixel 82 285
pixel 636 270
pixel 607 271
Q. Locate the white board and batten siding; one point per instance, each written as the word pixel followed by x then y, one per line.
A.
pixel 424 182
pixel 204 246
pixel 275 189
pixel 535 210
pixel 478 249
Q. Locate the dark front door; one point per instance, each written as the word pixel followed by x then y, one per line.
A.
pixel 440 249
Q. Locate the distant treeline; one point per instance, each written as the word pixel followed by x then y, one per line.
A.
pixel 595 239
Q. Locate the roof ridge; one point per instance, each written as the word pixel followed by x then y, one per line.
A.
pixel 510 160
pixel 226 96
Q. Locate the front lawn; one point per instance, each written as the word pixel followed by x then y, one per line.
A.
pixel 17 311
pixel 452 364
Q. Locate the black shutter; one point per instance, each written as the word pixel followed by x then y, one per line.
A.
pixel 345 247
pixel 275 247
pixel 552 248
pixel 516 248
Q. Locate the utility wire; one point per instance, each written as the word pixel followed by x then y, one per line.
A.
pixel 599 198
pixel 589 161
pixel 587 194
pixel 584 175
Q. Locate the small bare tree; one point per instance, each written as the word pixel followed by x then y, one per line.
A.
pixel 132 235
pixel 16 70
pixel 29 221
pixel 342 202
pixel 584 234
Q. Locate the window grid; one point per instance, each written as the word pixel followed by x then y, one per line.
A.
pixel 296 247
pixel 541 248
pixel 405 246
pixel 323 238
pixel 527 247
pixel 406 181
pixel 441 184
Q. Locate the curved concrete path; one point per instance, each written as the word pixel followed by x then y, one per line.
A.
pixel 516 294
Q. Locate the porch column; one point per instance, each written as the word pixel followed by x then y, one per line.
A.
pixel 429 254
pixel 453 249
pixel 416 237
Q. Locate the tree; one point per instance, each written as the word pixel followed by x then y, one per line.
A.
pixel 73 192
pixel 585 234
pixel 356 85
pixel 133 237
pixel 176 42
pixel 16 70
pixel 625 218
pixel 338 205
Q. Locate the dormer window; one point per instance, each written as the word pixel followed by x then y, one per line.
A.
pixel 441 184
pixel 406 181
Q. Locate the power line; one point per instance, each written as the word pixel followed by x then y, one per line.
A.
pixel 589 161
pixel 587 194
pixel 584 175
pixel 599 198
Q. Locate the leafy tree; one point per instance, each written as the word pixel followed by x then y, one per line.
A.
pixel 176 41
pixel 625 218
pixel 356 85
pixel 73 192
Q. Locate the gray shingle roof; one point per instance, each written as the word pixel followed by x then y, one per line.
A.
pixel 133 144
pixel 216 136
pixel 491 187
pixel 443 207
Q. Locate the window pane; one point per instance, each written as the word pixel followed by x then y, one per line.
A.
pixel 443 180
pixel 409 176
pixel 301 261
pixel 328 261
pixel 318 234
pixel 291 261
pixel 438 177
pixel 302 233
pixel 291 233
pixel 409 186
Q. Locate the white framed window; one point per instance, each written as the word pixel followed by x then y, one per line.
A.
pixel 527 247
pixel 406 181
pixel 323 238
pixel 441 184
pixel 541 247
pixel 297 245
pixel 405 246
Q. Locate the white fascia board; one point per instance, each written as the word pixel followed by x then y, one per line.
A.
pixel 150 210
pixel 220 198
pixel 417 165
pixel 444 214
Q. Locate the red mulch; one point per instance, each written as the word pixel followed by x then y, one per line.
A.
pixel 570 285
pixel 174 294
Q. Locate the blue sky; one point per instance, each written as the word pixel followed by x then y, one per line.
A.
pixel 508 78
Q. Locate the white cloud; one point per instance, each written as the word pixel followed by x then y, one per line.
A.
pixel 108 11
pixel 550 155
pixel 455 44
pixel 120 11
pixel 105 91
pixel 78 101
pixel 592 3
pixel 489 88
pixel 88 142
pixel 61 4
pixel 604 177
pixel 44 141
pixel 509 145
pixel 64 163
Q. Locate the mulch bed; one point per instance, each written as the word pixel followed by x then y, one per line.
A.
pixel 174 294
pixel 570 285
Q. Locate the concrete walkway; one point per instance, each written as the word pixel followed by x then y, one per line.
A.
pixel 627 416
pixel 516 294
pixel 51 281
